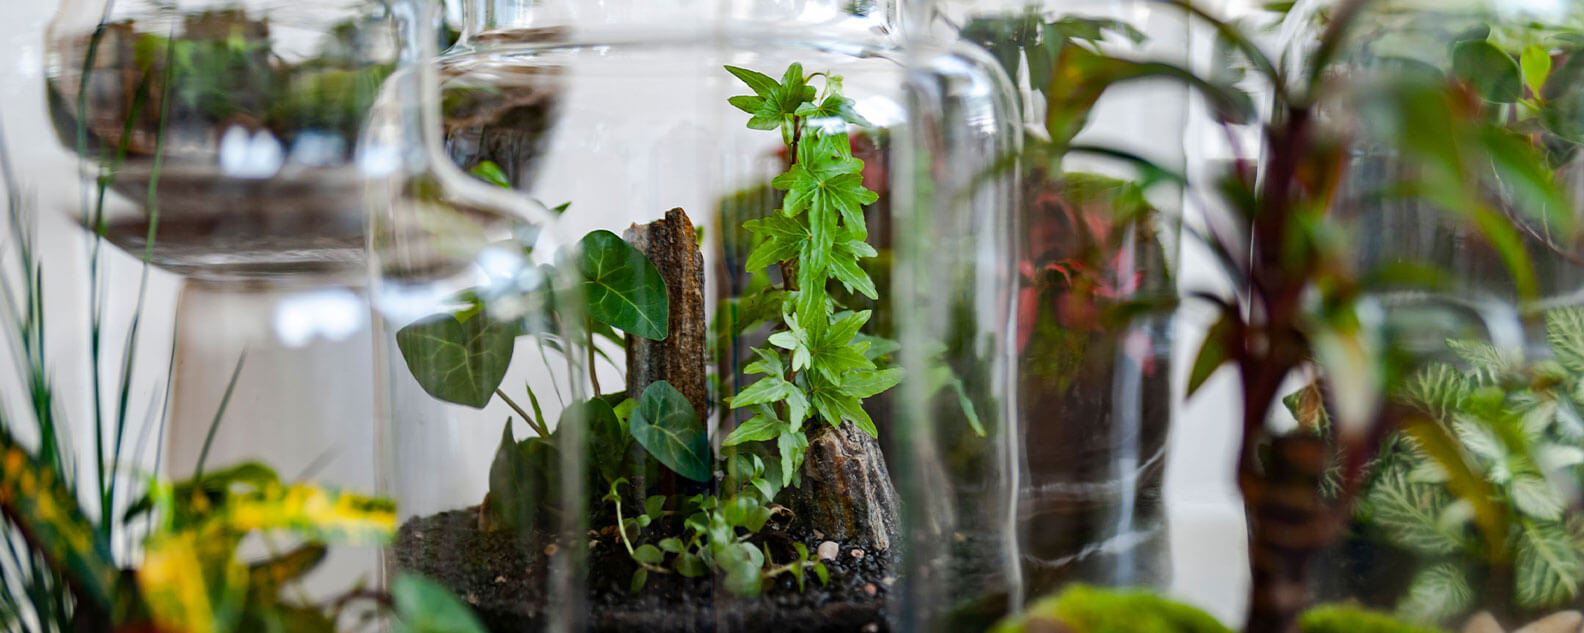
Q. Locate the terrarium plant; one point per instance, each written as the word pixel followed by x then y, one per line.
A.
pixel 671 509
pixel 1517 424
pixel 1299 303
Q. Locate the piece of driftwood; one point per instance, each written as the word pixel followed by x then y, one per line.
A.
pixel 679 359
pixel 847 493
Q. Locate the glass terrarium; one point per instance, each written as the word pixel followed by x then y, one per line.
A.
pixel 214 145
pixel 689 392
pixel 1094 399
pixel 1465 513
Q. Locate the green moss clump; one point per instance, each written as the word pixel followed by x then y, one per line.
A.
pixel 1084 609
pixel 1348 619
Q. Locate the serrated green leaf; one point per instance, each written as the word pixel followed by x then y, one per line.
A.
pixel 666 425
pixel 765 390
pixel 1565 334
pixel 1547 569
pixel 867 384
pixel 1410 514
pixel 1534 497
pixel 621 287
pixel 757 429
pixel 458 361
pixel 1435 593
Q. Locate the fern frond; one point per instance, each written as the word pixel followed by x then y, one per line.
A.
pixel 1565 334
pixel 1490 364
pixel 1439 390
pixel 1547 569
pixel 1437 593
pixel 1411 514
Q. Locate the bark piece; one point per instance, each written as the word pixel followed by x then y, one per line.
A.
pixel 680 359
pixel 847 492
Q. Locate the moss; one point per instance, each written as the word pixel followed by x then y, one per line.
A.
pixel 1083 609
pixel 1349 619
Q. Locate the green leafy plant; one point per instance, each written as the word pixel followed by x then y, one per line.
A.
pixel 815 365
pixel 1085 609
pixel 1516 427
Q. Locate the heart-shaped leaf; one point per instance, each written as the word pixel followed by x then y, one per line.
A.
pixel 461 361
pixel 666 425
pixel 523 481
pixel 622 288
pixel 425 606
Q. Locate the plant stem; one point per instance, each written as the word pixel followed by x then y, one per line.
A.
pixel 538 425
pixel 593 373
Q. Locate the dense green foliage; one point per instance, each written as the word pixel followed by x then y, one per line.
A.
pixel 1516 427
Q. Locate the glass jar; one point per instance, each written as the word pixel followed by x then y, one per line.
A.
pixel 213 146
pixel 1094 397
pixel 1479 534
pixel 729 436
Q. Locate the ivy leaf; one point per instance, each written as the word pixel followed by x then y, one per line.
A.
pixel 425 606
pixel 1547 568
pixel 783 237
pixel 757 429
pixel 1435 593
pixel 666 425
pixel 522 478
pixel 1492 73
pixel 622 287
pixel 773 101
pixel 868 384
pixel 460 361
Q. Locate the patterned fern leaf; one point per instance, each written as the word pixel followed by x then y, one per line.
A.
pixel 1412 514
pixel 1533 496
pixel 1439 390
pixel 1437 593
pixel 1547 569
pixel 1565 334
pixel 1490 364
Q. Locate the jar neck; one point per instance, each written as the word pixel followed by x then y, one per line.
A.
pixel 484 20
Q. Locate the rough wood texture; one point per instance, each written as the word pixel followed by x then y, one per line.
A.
pixel 679 359
pixel 847 493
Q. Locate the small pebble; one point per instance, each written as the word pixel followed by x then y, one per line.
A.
pixel 871 589
pixel 1559 622
pixel 888 581
pixel 500 580
pixel 551 549
pixel 857 553
pixel 958 536
pixel 418 535
pixel 828 550
pixel 472 598
pixel 1482 622
pixel 871 628
pixel 819 535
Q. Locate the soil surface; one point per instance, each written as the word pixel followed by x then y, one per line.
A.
pixel 505 579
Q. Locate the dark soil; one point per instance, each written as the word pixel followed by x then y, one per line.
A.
pixel 505 582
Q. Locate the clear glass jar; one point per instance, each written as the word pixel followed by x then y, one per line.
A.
pixel 712 481
pixel 213 145
pixel 1094 397
pixel 1491 341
